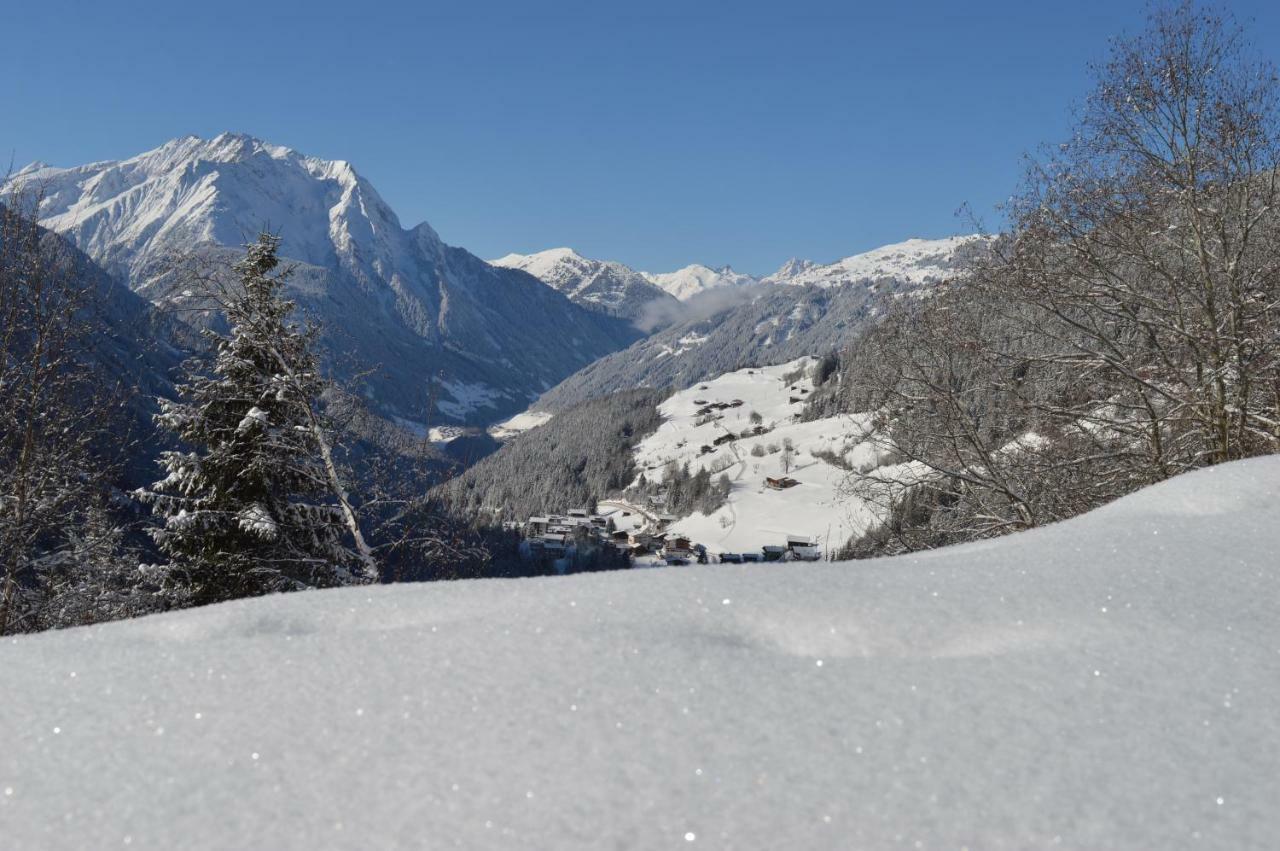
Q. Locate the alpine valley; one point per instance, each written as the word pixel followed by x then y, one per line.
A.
pixel 444 345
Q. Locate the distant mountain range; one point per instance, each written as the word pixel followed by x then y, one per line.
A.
pixel 436 333
pixel 616 288
pixel 599 285
pixel 803 309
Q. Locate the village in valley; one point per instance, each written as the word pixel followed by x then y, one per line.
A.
pixel 733 475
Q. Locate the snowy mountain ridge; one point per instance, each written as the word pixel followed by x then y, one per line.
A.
pixel 223 190
pixel 696 279
pixel 813 310
pixel 602 285
pixel 441 328
pixel 615 285
pixel 914 261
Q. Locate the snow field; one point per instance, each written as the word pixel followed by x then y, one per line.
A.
pixel 819 507
pixel 1110 682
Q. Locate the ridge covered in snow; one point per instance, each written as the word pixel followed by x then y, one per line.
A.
pixel 915 261
pixel 602 285
pixel 696 279
pixel 222 190
pixel 607 283
pixel 388 297
pixel 616 287
pixel 1107 682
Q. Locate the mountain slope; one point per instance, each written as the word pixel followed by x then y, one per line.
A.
pixel 600 285
pixel 817 310
pixel 440 328
pixel 581 455
pixel 129 351
pixel 1107 682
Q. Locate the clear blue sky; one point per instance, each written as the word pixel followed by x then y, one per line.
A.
pixel 653 133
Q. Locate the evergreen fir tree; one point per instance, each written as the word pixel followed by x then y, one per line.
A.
pixel 255 506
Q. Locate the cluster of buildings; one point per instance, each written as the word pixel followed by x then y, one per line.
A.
pixel 622 537
pixel 706 408
pixel 613 537
pixel 798 548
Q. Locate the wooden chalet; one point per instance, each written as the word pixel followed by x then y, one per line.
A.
pixel 780 482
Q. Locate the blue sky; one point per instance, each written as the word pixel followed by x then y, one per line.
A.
pixel 654 133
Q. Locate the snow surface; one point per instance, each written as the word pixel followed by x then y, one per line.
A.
pixel 819 508
pixel 1110 682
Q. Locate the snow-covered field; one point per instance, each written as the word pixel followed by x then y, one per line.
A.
pixel 519 424
pixel 755 515
pixel 1111 682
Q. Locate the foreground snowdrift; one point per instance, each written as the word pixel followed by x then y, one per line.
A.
pixel 1109 682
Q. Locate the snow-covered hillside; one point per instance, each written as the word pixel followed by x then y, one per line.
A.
pixel 915 261
pixel 1110 682
pixel 756 515
pixel 428 323
pixel 519 424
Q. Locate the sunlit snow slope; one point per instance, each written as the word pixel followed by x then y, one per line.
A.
pixel 818 508
pixel 1111 682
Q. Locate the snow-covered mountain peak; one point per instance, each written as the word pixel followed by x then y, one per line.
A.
pixel 191 191
pixel 602 285
pixel 543 263
pixel 793 267
pixel 611 284
pixel 696 278
pixel 393 297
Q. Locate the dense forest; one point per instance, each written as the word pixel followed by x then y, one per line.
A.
pixel 580 456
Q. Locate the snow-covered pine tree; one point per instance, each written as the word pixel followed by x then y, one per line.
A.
pixel 256 506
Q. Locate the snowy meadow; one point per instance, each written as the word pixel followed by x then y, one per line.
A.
pixel 1109 682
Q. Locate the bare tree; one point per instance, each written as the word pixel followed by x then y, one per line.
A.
pixel 1124 330
pixel 53 407
pixel 1145 251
